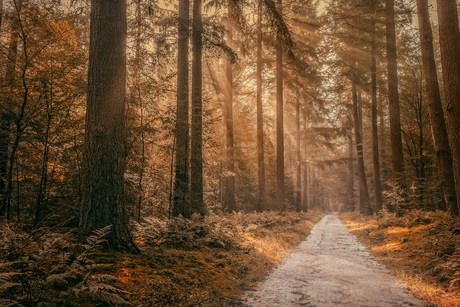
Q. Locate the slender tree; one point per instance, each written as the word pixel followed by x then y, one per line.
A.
pixel 306 166
pixel 393 95
pixel 104 152
pixel 280 193
pixel 350 181
pixel 181 199
pixel 449 37
pixel 260 120
pixel 364 201
pixel 196 165
pixel 438 125
pixel 375 135
pixel 298 166
pixel 230 194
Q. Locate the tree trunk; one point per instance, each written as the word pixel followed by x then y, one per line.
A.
pixel 364 202
pixel 449 37
pixel 438 125
pixel 260 119
pixel 393 96
pixel 305 204
pixel 181 199
pixel 375 135
pixel 298 166
pixel 230 195
pixel 197 204
pixel 5 117
pixel 280 193
pixel 350 200
pixel 105 137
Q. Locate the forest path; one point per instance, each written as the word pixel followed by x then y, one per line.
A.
pixel 330 268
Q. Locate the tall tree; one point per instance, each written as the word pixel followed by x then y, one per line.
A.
pixel 350 181
pixel 393 95
pixel 438 125
pixel 196 164
pixel 230 193
pixel 280 193
pixel 449 37
pixel 364 201
pixel 104 153
pixel 260 119
pixel 375 135
pixel 181 199
pixel 298 166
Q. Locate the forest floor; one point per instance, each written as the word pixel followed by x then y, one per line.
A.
pixel 330 268
pixel 196 262
pixel 421 248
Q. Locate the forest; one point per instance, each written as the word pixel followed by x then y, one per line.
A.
pixel 174 153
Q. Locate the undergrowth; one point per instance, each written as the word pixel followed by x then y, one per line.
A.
pixel 197 262
pixel 422 248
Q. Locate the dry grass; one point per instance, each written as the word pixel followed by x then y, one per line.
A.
pixel 422 248
pixel 209 262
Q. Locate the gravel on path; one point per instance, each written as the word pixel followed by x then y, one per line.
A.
pixel 330 268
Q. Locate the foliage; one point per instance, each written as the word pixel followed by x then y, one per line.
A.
pixel 421 247
pixel 52 267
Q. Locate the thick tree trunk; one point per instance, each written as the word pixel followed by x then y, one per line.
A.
pixel 181 198
pixel 375 135
pixel 438 125
pixel 280 193
pixel 105 137
pixel 449 37
pixel 197 204
pixel 393 96
pixel 260 119
pixel 230 193
pixel 364 202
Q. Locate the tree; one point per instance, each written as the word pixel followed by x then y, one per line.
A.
pixel 393 95
pixel 230 193
pixel 104 153
pixel 260 119
pixel 438 125
pixel 196 165
pixel 181 201
pixel 375 136
pixel 449 36
pixel 364 202
pixel 280 193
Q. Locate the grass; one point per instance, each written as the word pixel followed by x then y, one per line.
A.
pixel 422 249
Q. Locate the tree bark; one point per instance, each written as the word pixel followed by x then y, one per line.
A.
pixel 260 119
pixel 280 192
pixel 364 202
pixel 449 37
pixel 197 204
pixel 438 125
pixel 305 204
pixel 350 200
pixel 298 165
pixel 393 95
pixel 230 193
pixel 181 192
pixel 105 137
pixel 375 135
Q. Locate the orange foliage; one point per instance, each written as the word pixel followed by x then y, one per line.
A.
pixel 210 274
pixel 422 248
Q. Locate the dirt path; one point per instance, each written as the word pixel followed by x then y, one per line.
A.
pixel 330 268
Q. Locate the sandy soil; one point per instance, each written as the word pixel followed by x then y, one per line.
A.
pixel 330 268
